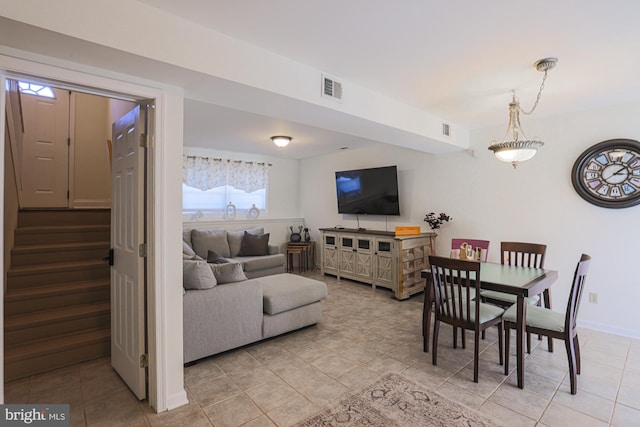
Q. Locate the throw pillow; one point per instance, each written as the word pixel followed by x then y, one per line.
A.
pixel 210 239
pixel 186 249
pixel 196 275
pixel 228 273
pixel 254 244
pixel 214 257
pixel 235 239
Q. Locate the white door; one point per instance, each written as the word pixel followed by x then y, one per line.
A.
pixel 127 234
pixel 45 155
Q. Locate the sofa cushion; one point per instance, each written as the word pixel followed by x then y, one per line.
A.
pixel 256 263
pixel 234 238
pixel 214 239
pixel 214 257
pixel 283 292
pixel 197 275
pixel 254 244
pixel 230 272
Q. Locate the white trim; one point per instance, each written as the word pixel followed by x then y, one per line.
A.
pixel 601 327
pixel 91 204
pixel 71 151
pixel 159 370
pixel 3 93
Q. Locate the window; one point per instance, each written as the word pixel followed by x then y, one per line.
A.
pixel 36 89
pixel 209 185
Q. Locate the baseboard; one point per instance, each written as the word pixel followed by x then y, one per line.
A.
pixel 601 327
pixel 177 399
pixel 91 204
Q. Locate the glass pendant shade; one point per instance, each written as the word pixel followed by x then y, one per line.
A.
pixel 281 141
pixel 515 146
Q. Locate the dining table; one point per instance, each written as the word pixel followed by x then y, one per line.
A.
pixel 523 282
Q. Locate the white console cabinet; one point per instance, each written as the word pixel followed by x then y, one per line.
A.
pixel 377 257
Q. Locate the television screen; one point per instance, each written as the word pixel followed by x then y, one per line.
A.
pixel 371 191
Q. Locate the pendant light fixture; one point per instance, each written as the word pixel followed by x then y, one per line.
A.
pixel 515 146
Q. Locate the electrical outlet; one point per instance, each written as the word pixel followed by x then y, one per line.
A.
pixel 593 297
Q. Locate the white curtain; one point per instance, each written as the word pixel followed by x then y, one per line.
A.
pixel 205 173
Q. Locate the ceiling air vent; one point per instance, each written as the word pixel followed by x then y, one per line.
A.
pixel 446 130
pixel 331 88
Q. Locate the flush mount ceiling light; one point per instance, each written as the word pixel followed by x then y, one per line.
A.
pixel 515 146
pixel 281 141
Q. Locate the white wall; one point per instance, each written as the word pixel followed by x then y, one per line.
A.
pixel 490 200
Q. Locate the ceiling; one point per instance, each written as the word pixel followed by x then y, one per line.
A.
pixel 457 60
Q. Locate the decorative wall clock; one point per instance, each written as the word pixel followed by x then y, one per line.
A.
pixel 608 174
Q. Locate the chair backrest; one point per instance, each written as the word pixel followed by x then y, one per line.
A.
pixel 453 282
pixel 482 244
pixel 575 295
pixel 523 254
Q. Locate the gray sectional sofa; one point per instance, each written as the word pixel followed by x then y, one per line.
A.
pixel 225 308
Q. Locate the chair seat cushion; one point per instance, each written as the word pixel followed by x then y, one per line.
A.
pixel 538 317
pixel 488 312
pixel 508 298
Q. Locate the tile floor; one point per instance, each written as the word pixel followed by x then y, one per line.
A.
pixel 363 334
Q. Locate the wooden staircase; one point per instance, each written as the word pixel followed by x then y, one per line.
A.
pixel 57 301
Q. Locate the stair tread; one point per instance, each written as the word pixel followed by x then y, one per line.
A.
pixel 18 321
pixel 44 291
pixel 60 228
pixel 29 248
pixel 49 345
pixel 57 266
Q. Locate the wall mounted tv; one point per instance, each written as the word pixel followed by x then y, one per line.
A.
pixel 371 191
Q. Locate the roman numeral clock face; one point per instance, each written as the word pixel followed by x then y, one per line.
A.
pixel 608 174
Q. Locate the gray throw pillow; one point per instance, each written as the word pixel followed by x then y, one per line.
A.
pixel 235 239
pixel 214 257
pixel 228 273
pixel 254 244
pixel 214 239
pixel 197 275
pixel 186 249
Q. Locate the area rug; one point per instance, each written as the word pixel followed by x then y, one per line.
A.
pixel 394 401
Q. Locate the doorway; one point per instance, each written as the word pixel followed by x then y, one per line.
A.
pixel 166 387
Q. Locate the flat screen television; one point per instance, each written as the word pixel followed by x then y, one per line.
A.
pixel 372 191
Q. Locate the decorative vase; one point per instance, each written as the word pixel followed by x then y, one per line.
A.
pixel 307 236
pixel 295 236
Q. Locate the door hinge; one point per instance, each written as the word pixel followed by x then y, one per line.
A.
pixel 144 140
pixel 142 250
pixel 69 141
pixel 144 360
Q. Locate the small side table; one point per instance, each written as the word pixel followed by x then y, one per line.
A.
pixel 305 254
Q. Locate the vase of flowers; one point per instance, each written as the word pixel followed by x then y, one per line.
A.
pixel 435 221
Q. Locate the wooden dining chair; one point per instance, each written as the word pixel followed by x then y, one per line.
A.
pixel 543 321
pixel 453 281
pixel 522 255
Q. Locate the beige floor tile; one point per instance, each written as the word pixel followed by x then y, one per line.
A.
pixel 270 395
pixel 358 377
pixel 460 395
pixel 333 364
pixel 630 397
pixel 328 394
pixel 506 416
pixel 233 412
pixel 561 416
pixel 202 371
pixel 624 416
pixel 292 412
pixel 520 400
pixel 261 421
pixel 118 409
pixel 253 378
pixel 585 402
pixel 211 392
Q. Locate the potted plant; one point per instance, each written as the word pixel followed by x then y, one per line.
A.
pixel 436 221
